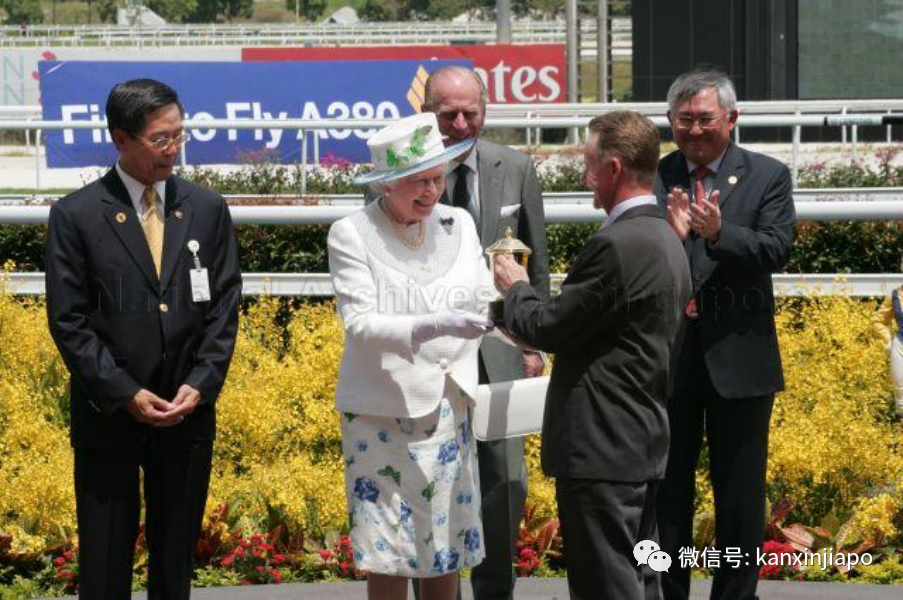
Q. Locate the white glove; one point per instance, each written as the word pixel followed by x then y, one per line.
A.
pixel 455 324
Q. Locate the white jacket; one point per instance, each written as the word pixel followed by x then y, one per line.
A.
pixel 381 285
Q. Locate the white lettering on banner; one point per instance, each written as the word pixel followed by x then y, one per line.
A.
pixel 97 134
pixel 232 110
pixel 499 72
pixel 202 135
pixel 246 110
pixel 338 110
pixel 358 110
pixel 523 78
pixel 257 115
pixel 547 78
pixel 310 111
pixel 68 111
pixel 497 81
pixel 275 134
pixel 362 110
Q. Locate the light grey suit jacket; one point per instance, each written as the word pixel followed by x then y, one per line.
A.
pixel 508 177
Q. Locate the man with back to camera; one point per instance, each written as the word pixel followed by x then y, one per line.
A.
pixel 143 291
pixel 612 328
pixel 500 189
pixel 737 231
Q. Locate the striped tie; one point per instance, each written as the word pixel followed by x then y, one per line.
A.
pixel 152 223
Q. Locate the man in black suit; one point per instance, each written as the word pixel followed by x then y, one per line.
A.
pixel 143 290
pixel 737 231
pixel 605 429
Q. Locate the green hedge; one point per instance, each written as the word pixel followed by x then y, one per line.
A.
pixel 835 247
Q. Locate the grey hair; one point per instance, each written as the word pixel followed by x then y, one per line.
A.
pixel 689 84
pixel 448 71
pixel 380 188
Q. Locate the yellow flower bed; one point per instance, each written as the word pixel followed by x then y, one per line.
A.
pixel 834 444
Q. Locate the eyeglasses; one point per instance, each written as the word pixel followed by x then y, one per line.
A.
pixel 163 143
pixel 707 122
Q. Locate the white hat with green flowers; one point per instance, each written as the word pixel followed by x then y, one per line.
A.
pixel 407 146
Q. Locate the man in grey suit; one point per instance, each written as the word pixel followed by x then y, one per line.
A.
pixel 737 231
pixel 500 189
pixel 612 329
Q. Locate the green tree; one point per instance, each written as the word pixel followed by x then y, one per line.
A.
pixel 311 10
pixel 384 10
pixel 440 11
pixel 106 10
pixel 174 11
pixel 208 11
pixel 22 12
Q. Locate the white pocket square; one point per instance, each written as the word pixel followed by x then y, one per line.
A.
pixel 507 211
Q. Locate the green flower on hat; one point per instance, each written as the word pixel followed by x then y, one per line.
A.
pixel 409 154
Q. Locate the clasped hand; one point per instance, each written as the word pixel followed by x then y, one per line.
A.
pixel 702 216
pixel 149 408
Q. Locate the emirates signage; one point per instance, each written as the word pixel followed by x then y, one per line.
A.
pixel 533 73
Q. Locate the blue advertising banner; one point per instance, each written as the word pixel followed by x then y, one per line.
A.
pixel 78 90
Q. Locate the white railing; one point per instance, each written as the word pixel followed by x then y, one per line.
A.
pixel 797 121
pixel 533 31
pixel 660 109
pixel 319 284
pixel 574 212
pixel 888 194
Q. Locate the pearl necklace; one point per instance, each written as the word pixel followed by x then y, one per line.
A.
pixel 401 230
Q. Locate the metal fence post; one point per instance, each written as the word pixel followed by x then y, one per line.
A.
pixel 303 134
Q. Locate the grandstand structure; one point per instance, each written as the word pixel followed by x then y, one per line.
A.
pixel 306 34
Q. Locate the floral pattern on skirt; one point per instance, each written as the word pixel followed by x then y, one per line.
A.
pixel 413 492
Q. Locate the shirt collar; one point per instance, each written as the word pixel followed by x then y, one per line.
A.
pixel 712 166
pixel 470 161
pixel 626 205
pixel 136 189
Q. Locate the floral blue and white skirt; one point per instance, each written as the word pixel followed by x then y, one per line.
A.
pixel 413 492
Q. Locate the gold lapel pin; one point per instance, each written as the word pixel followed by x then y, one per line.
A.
pixel 120 217
pixel 733 179
pixel 177 214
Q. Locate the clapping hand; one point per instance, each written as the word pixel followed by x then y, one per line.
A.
pixel 702 216
pixel 705 217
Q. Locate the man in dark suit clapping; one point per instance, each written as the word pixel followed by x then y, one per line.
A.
pixel 143 290
pixel 605 430
pixel 737 231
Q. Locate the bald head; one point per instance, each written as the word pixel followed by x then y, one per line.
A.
pixel 457 96
pixel 453 77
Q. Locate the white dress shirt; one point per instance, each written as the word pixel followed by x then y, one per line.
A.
pixel 626 205
pixel 136 190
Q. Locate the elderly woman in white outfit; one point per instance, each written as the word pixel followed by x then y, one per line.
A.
pixel 412 289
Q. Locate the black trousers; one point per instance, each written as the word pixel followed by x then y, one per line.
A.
pixel 601 523
pixel 737 434
pixel 108 506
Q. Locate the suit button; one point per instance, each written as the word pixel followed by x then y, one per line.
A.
pixel 443 364
pixel 697 277
pixel 164 307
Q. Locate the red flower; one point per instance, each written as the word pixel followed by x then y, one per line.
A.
pixel 228 561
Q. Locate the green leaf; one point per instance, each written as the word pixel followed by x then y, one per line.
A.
pixel 429 491
pixel 391 473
